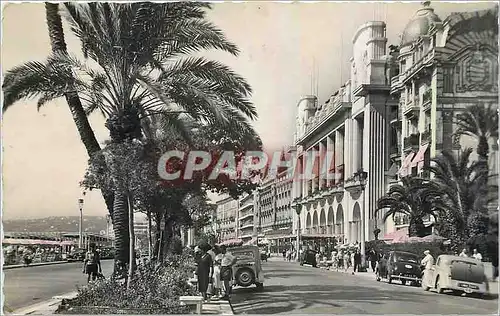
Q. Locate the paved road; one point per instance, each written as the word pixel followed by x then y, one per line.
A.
pixel 26 286
pixel 293 289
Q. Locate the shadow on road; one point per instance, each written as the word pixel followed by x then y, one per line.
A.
pixel 276 299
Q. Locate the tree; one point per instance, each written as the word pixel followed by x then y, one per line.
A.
pixel 415 198
pixel 145 68
pixel 18 85
pixel 465 191
pixel 480 122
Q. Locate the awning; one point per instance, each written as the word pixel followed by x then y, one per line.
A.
pixel 406 163
pixel 419 157
pixel 396 235
pixel 15 241
pixel 393 171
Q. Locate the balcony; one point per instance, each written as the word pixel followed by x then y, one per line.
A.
pixel 412 141
pixel 427 100
pixel 426 137
pixel 395 117
pixel 412 108
pixel 394 151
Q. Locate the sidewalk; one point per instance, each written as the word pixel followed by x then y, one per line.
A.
pixel 49 307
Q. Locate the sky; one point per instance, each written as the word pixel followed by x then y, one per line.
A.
pixel 283 46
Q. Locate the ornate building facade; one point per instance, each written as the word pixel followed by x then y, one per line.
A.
pixel 352 124
pixel 439 69
pixel 246 217
pixel 393 115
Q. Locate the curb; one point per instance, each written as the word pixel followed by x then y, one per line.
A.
pixel 18 266
pixel 45 307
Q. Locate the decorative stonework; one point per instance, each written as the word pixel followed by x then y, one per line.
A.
pixel 477 72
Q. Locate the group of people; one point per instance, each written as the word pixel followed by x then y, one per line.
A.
pixel 345 259
pixel 214 271
pixel 475 254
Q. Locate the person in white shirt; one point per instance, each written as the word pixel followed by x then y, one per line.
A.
pixel 427 263
pixel 227 261
pixel 476 255
pixel 463 253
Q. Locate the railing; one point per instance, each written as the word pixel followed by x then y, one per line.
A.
pixel 412 140
pixel 427 96
pixel 426 136
pixel 394 150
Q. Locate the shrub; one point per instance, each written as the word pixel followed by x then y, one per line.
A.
pixel 155 289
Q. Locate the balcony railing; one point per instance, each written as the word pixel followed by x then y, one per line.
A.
pixel 426 136
pixel 412 141
pixel 394 150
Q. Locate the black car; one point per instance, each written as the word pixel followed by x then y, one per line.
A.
pixel 309 257
pixel 77 255
pixel 399 265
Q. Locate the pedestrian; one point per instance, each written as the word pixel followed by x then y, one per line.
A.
pixel 373 259
pixel 92 263
pixel 427 263
pixel 357 261
pixel 204 270
pixel 216 279
pixel 476 255
pixel 227 261
pixel 347 257
pixel 463 253
pixel 352 260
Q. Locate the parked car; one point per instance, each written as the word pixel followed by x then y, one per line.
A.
pixel 309 257
pixel 458 274
pixel 77 255
pixel 399 265
pixel 248 268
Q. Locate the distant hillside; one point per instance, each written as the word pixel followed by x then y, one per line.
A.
pixel 91 224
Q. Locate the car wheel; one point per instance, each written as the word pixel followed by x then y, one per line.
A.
pixel 389 280
pixel 245 277
pixel 457 292
pixel 438 287
pixel 260 286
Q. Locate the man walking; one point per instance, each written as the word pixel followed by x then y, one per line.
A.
pixel 227 261
pixel 92 264
pixel 357 261
pixel 427 263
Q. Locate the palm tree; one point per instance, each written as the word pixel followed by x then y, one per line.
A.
pixel 462 183
pixel 480 122
pixel 18 87
pixel 415 198
pixel 144 68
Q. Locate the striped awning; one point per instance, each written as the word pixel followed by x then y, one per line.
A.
pixel 419 157
pixel 406 163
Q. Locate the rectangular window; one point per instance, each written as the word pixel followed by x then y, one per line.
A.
pixel 448 80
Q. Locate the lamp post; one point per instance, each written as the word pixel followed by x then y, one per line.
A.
pixel 80 236
pixel 297 207
pixel 362 177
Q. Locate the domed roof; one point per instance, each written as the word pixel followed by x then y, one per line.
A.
pixel 420 24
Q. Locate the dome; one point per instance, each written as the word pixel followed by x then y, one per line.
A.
pixel 420 24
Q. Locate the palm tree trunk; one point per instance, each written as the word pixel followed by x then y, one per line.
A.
pixel 58 44
pixel 483 148
pixel 121 230
pixel 131 266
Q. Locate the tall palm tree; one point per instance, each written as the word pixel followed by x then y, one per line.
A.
pixel 462 184
pixel 19 87
pixel 480 122
pixel 142 51
pixel 415 198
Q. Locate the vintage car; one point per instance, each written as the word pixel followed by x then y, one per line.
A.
pixel 309 257
pixel 399 265
pixel 248 268
pixel 457 274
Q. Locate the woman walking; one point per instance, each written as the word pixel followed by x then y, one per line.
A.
pixel 205 270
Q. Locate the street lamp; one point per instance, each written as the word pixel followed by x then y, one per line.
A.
pixel 80 238
pixel 297 207
pixel 362 177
